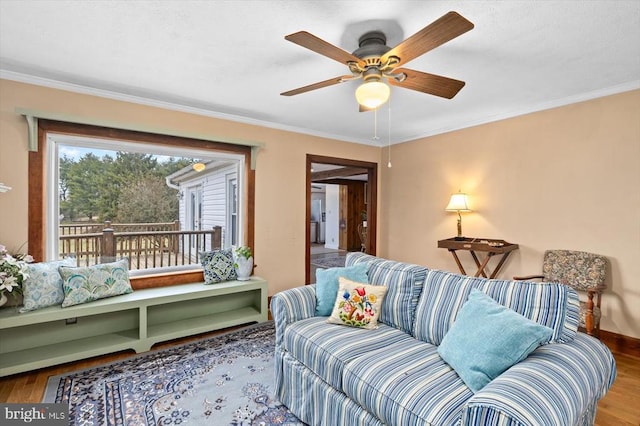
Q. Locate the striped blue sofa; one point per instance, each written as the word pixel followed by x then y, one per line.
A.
pixel 329 374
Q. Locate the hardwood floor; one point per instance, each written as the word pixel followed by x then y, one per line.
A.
pixel 620 407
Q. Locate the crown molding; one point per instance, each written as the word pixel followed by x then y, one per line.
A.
pixel 123 97
pixel 556 103
pixel 458 125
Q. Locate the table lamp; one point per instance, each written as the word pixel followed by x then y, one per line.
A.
pixel 458 203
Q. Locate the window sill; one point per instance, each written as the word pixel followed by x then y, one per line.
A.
pixel 166 279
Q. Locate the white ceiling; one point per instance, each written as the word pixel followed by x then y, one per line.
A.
pixel 230 59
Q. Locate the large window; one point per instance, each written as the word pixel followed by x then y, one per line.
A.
pixel 158 200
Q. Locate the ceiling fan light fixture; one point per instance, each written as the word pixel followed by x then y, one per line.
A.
pixel 372 94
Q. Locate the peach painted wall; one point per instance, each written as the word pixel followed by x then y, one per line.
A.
pixel 561 178
pixel 280 172
pixel 567 177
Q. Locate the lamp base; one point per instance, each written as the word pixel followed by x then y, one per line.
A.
pixel 459 237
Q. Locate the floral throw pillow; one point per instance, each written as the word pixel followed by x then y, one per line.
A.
pixel 85 284
pixel 218 266
pixel 357 304
pixel 43 287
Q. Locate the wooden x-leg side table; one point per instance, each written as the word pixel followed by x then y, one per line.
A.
pixel 473 245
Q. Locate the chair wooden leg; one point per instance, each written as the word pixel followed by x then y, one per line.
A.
pixel 588 319
pixel 597 324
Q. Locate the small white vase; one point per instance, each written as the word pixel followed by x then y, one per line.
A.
pixel 3 299
pixel 244 268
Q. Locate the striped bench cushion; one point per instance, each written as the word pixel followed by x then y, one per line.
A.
pixel 551 304
pixel 404 282
pixel 326 348
pixel 409 385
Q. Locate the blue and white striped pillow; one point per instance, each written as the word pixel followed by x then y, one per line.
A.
pixel 551 304
pixel 404 282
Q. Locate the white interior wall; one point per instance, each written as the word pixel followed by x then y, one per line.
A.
pixel 332 239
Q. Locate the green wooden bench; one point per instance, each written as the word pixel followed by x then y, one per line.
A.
pixel 135 321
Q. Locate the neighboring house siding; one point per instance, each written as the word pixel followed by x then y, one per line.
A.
pixel 214 198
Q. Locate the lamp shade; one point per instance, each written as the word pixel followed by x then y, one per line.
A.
pixel 372 94
pixel 458 203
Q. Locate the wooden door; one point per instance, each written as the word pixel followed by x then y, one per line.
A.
pixel 352 204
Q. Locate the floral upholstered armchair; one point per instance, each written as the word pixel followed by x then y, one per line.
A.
pixel 584 272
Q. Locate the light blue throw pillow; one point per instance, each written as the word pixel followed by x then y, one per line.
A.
pixel 488 338
pixel 43 287
pixel 327 285
pixel 85 284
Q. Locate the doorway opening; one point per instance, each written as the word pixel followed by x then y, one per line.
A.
pixel 341 208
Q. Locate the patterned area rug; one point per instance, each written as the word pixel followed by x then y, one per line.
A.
pixel 222 380
pixel 328 261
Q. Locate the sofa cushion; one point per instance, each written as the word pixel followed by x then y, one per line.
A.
pixel 404 282
pixel 488 338
pixel 327 285
pixel 553 305
pixel 407 384
pixel 326 348
pixel 357 304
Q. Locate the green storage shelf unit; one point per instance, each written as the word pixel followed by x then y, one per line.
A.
pixel 59 353
pixel 135 321
pixel 31 336
pixel 201 324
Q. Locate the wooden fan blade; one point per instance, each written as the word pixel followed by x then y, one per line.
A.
pixel 362 108
pixel 322 47
pixel 318 85
pixel 432 84
pixel 433 35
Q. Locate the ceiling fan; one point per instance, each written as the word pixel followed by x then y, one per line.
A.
pixel 375 62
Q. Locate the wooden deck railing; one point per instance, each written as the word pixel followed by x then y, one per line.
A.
pixel 89 228
pixel 145 249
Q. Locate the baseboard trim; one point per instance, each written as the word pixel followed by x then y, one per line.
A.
pixel 621 344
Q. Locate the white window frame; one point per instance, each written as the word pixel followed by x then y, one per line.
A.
pixel 230 180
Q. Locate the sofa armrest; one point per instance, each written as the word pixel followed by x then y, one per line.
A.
pixel 292 305
pixel 558 383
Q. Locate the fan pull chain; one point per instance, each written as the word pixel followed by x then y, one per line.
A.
pixel 389 140
pixel 375 124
